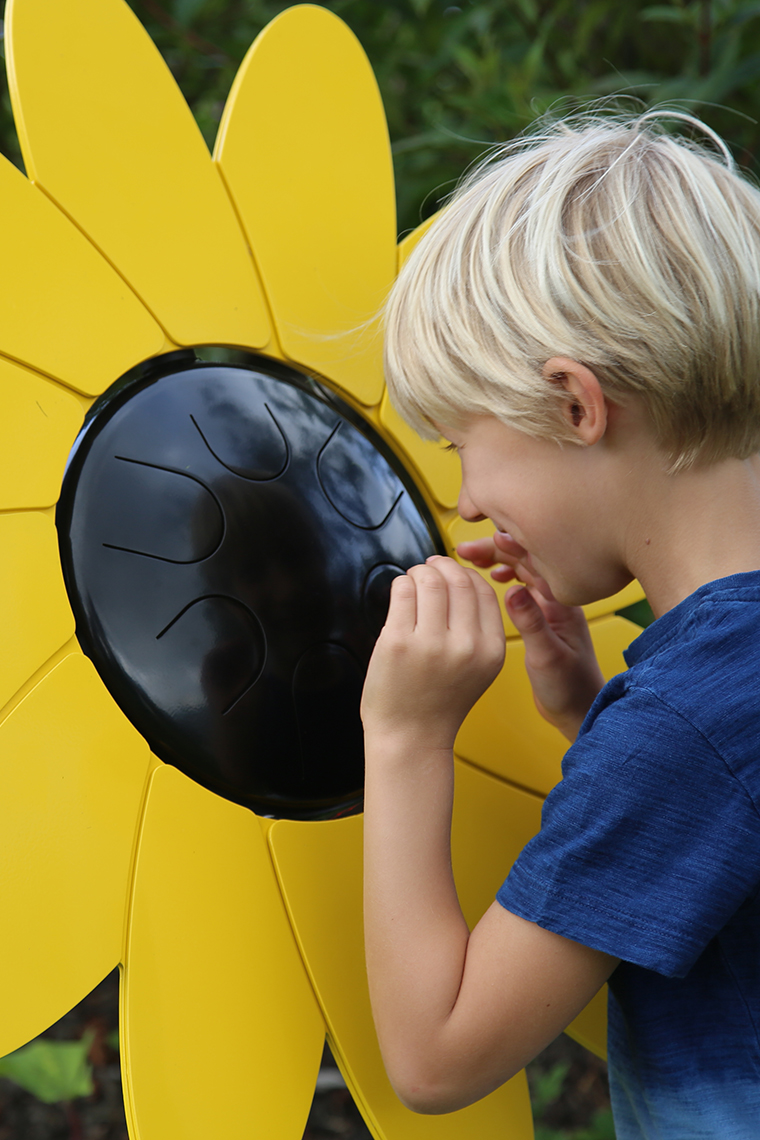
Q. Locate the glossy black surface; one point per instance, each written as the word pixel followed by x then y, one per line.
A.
pixel 228 541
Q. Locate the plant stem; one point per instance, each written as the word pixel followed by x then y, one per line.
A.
pixel 74 1121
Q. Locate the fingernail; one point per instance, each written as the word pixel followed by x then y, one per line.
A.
pixel 520 599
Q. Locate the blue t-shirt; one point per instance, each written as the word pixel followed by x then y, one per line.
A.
pixel 649 849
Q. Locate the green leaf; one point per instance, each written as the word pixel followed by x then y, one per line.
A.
pixel 185 11
pixel 51 1070
pixel 546 1087
pixel 668 14
pixel 640 613
pixel 601 1128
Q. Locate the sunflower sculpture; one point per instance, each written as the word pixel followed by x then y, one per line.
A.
pixel 188 613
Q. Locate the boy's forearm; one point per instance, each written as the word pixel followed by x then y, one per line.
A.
pixel 416 935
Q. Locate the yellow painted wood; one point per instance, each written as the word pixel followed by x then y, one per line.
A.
pixel 221 1033
pixel 320 869
pixel 35 616
pixel 410 240
pixel 590 1026
pixel 492 823
pixel 105 130
pixel 303 146
pixel 504 733
pixel 611 636
pixel 437 468
pixel 72 774
pixel 38 424
pixel 62 308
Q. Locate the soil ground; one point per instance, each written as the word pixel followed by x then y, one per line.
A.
pixel 333 1116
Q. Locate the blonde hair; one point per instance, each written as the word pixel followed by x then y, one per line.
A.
pixel 611 242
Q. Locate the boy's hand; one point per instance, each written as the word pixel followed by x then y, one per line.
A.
pixel 441 647
pixel 559 655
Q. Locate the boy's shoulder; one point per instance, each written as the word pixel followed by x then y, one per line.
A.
pixel 650 842
pixel 700 663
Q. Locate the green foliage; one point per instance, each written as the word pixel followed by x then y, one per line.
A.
pixel 600 1128
pixel 51 1070
pixel 546 1086
pixel 640 613
pixel 457 78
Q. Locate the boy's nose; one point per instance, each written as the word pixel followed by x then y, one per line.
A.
pixel 467 508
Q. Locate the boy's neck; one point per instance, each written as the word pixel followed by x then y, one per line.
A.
pixel 694 527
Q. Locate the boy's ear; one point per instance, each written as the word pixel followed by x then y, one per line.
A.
pixel 585 409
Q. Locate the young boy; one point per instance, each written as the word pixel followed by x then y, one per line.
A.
pixel 583 324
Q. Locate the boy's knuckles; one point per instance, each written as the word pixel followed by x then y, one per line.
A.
pixel 402 587
pixel 464 649
pixel 530 622
pixel 425 574
pixel 461 585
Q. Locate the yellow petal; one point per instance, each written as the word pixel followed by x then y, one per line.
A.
pixel 504 733
pixel 320 870
pixel 222 1036
pixel 438 468
pixel 304 150
pixel 35 618
pixel 611 635
pixel 38 423
pixel 408 243
pixel 590 1026
pixel 106 132
pixel 492 823
pixel 62 308
pixel 72 773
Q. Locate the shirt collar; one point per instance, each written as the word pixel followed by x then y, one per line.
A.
pixel 666 627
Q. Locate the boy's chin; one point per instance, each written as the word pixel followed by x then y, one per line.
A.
pixel 573 597
pixel 584 593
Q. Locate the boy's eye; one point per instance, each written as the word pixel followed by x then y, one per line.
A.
pixel 450 447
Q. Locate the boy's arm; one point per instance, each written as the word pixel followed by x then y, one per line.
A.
pixel 456 1014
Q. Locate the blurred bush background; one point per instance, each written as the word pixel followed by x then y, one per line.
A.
pixel 455 78
pixel 458 77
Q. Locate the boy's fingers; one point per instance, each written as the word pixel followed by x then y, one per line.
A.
pixel 489 611
pixel 432 599
pixel 530 621
pixel 505 544
pixel 480 551
pixel 402 610
pixel 462 595
pixel 473 604
pixel 485 552
pixel 504 573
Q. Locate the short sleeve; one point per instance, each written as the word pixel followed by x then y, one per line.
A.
pixel 648 845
